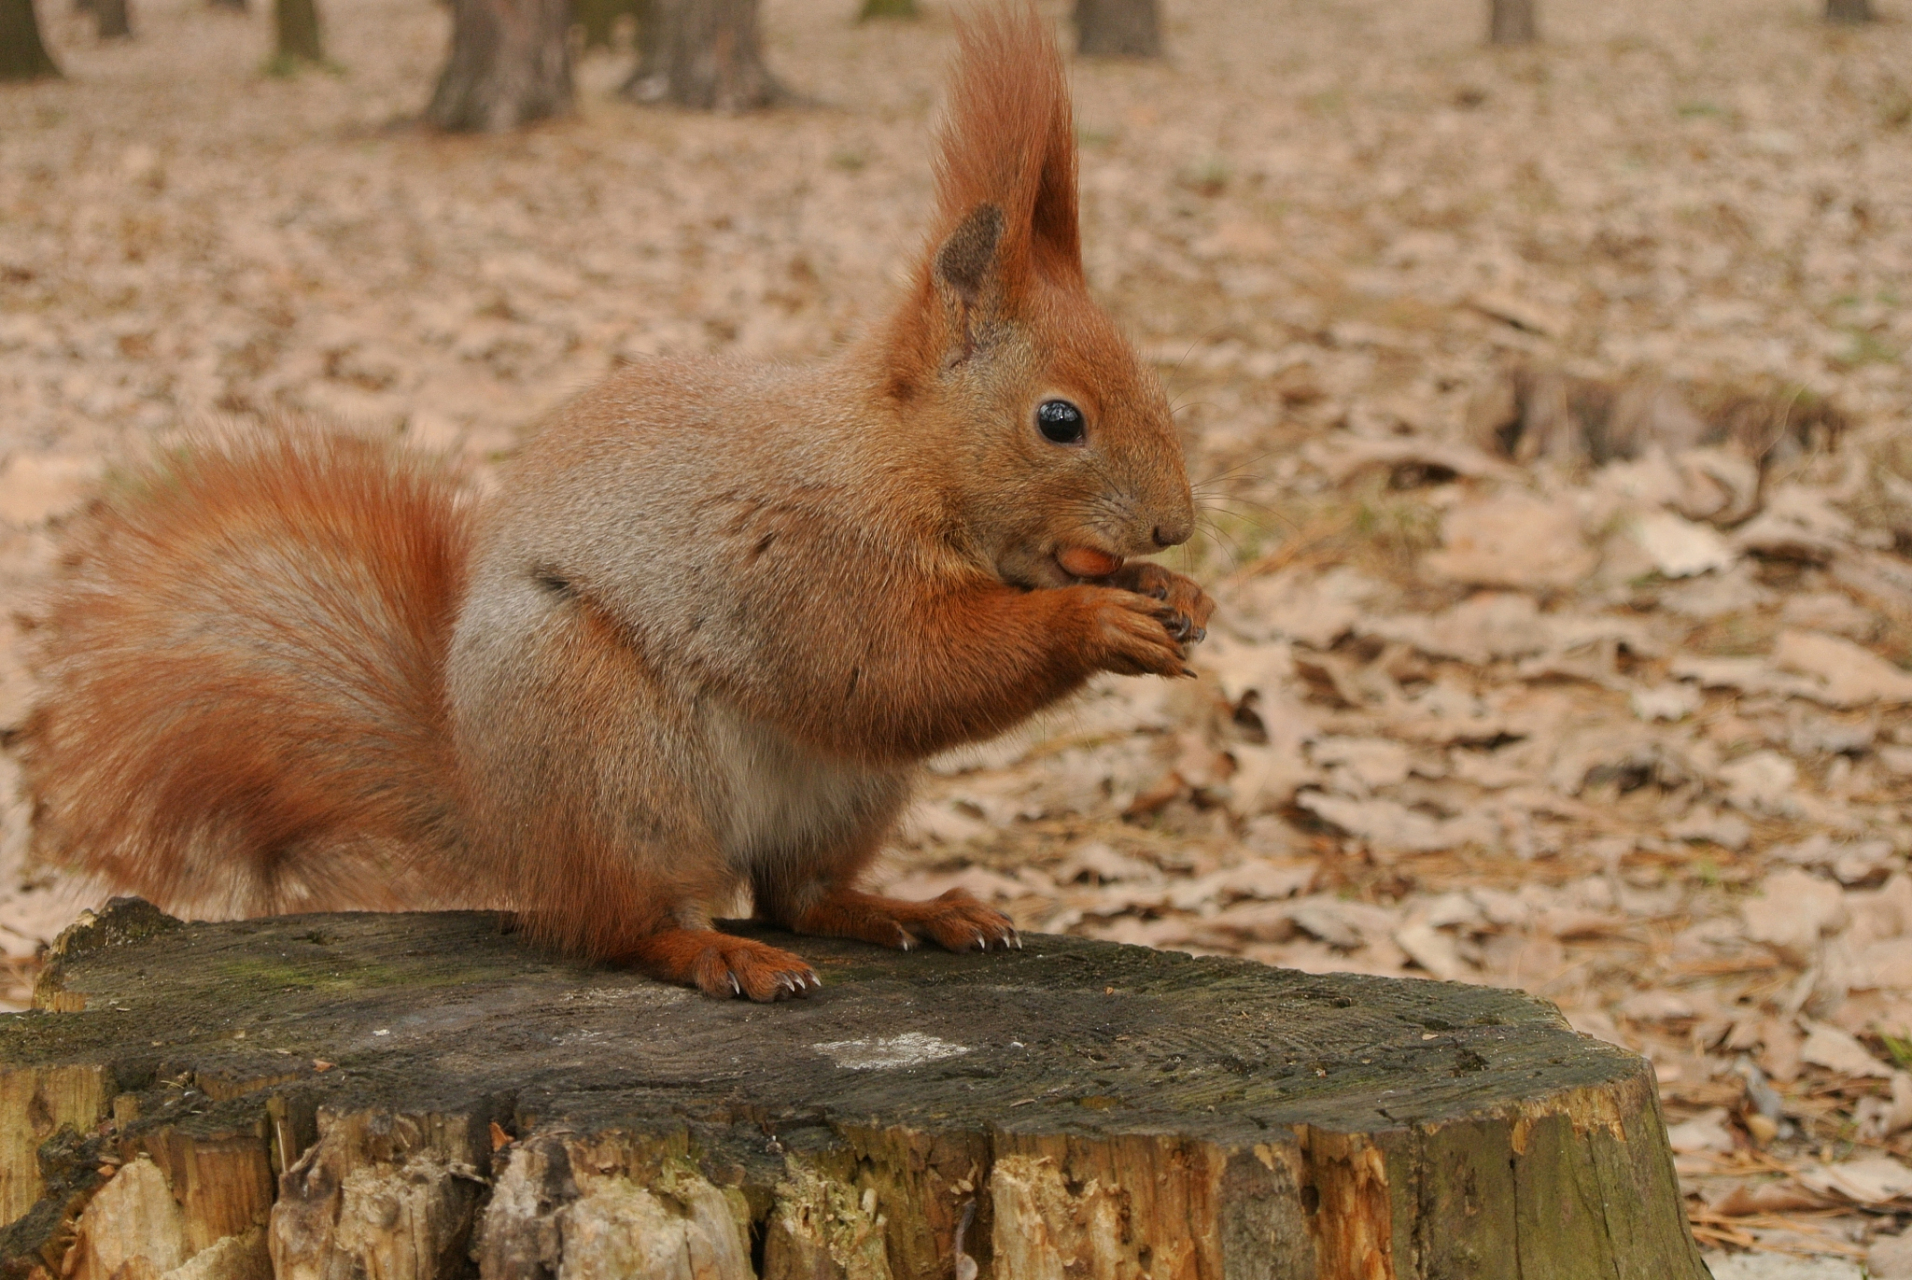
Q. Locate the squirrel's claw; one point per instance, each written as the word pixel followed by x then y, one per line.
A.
pixel 1151 627
pixel 956 921
pixel 725 966
pixel 801 983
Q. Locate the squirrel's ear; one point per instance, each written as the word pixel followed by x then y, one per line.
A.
pixel 1007 143
pixel 967 257
pixel 1006 194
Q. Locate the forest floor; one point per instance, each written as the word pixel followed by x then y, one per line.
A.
pixel 1551 407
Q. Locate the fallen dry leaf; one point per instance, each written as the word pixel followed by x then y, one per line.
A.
pixel 1873 1181
pixel 1514 539
pixel 1844 674
pixel 1828 1046
pixel 1513 680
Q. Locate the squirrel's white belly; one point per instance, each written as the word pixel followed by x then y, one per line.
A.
pixel 782 800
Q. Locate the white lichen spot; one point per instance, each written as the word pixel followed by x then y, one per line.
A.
pixel 911 1049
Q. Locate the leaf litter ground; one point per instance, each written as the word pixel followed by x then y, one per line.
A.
pixel 1549 409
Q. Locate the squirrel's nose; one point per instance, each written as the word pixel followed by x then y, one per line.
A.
pixel 1171 535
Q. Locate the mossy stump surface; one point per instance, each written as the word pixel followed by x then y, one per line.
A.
pixel 421 1096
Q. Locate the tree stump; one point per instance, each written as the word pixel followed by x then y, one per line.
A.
pixel 421 1096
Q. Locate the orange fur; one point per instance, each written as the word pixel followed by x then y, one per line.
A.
pixel 242 677
pixel 1009 139
pixel 698 641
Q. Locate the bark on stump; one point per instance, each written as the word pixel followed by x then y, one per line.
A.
pixel 1511 22
pixel 1118 28
pixel 399 1095
pixel 23 54
pixel 510 64
pixel 703 54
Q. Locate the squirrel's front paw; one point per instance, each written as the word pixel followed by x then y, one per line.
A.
pixel 1136 635
pixel 1189 605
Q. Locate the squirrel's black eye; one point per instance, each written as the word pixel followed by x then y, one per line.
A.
pixel 1060 422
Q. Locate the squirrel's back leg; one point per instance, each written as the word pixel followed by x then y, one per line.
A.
pixel 583 784
pixel 722 964
pixel 819 897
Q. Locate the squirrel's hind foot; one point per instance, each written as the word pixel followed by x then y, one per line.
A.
pixel 956 921
pixel 724 966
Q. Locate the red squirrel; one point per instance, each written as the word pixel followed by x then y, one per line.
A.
pixel 700 638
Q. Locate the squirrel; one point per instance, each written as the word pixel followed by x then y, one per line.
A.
pixel 698 639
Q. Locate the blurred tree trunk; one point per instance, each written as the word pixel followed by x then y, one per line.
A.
pixel 297 25
pixel 703 54
pixel 1118 28
pixel 1849 11
pixel 646 47
pixel 599 20
pixel 510 64
pixel 887 9
pixel 1511 22
pixel 23 54
pixel 116 21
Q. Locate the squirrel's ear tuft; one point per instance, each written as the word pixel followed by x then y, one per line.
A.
pixel 963 262
pixel 1006 195
pixel 1008 140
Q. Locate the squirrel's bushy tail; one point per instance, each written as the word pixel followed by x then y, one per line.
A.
pixel 242 705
